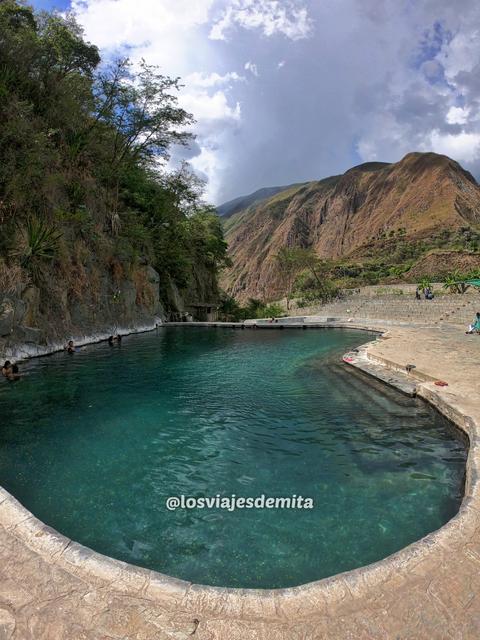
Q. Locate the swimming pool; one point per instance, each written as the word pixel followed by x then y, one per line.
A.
pixel 94 443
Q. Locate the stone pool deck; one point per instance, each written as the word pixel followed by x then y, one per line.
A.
pixel 54 589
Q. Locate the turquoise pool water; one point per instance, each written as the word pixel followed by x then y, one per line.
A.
pixel 93 444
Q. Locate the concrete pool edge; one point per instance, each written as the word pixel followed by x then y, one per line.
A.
pixel 267 605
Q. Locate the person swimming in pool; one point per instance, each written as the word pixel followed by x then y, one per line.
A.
pixel 70 348
pixel 13 373
pixel 7 367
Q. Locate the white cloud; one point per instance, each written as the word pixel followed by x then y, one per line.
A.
pixel 458 115
pixel 431 105
pixel 461 54
pixel 215 118
pixel 209 107
pixel 252 67
pixel 464 147
pixel 289 18
pixel 199 79
pixel 209 164
pixel 380 78
pixel 157 26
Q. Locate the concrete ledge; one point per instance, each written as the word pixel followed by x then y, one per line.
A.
pixel 392 376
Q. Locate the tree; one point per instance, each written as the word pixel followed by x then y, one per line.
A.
pixel 453 282
pixel 206 236
pixel 142 120
pixel 63 49
pixel 229 310
pixel 290 260
pixel 142 111
pixel 186 189
pixel 293 261
pixel 318 267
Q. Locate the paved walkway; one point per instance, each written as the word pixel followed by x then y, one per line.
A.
pixel 54 589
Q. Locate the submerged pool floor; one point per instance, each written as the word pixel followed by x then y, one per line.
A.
pixel 94 443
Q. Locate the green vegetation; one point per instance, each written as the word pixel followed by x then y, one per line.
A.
pixel 305 276
pixel 391 255
pixel 38 243
pixel 455 282
pixel 289 263
pixel 231 311
pixel 314 284
pixel 83 185
pixel 382 291
pixel 312 281
pixel 425 283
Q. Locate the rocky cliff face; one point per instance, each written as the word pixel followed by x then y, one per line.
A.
pixel 349 214
pixel 30 324
pixel 96 234
pixel 104 300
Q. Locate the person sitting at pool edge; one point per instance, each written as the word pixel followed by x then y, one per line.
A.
pixel 475 326
pixel 7 367
pixel 70 348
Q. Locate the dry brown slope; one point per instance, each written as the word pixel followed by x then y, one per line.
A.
pixel 423 194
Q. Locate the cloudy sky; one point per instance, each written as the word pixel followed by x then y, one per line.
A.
pixel 293 90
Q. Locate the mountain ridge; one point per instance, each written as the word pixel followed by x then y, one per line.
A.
pixel 419 197
pixel 229 208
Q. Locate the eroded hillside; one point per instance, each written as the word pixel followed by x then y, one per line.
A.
pixel 354 214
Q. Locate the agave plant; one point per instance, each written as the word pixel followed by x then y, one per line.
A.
pixel 39 243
